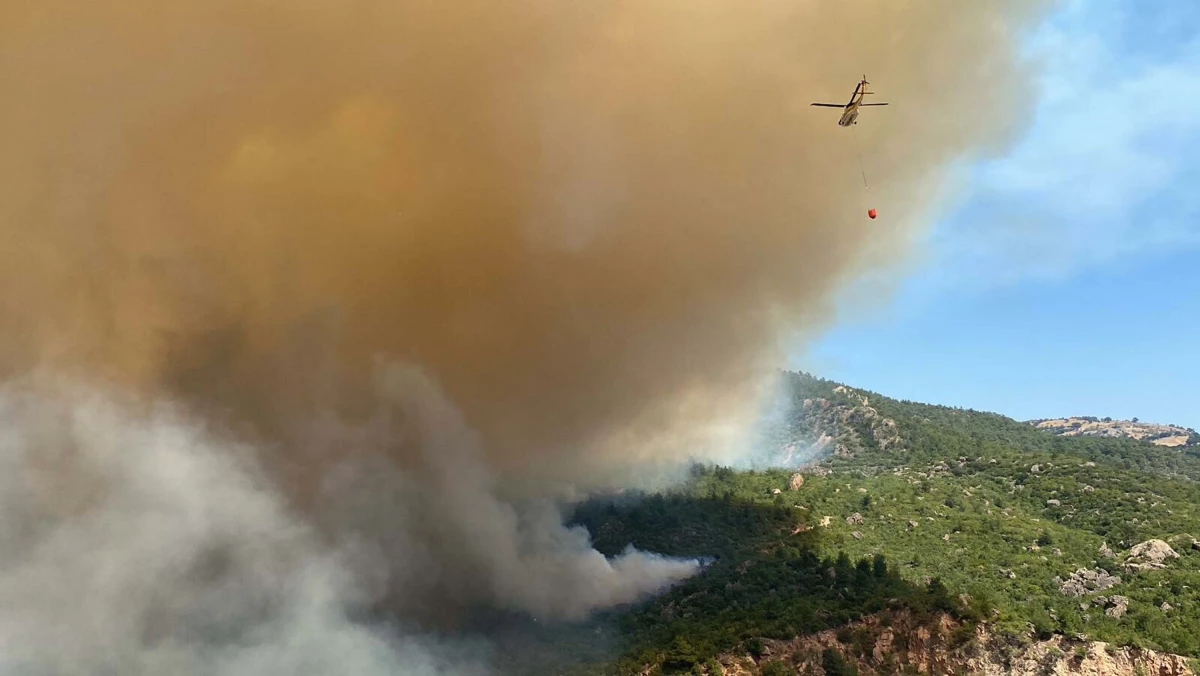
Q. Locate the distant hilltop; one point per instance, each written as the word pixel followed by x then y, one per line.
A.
pixel 1087 426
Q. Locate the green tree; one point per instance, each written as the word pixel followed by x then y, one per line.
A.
pixel 681 656
pixel 835 665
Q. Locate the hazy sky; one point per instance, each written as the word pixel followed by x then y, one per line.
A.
pixel 1066 277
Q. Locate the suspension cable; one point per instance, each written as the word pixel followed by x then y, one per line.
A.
pixel 858 151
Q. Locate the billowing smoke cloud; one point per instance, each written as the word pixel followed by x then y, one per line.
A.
pixel 449 540
pixel 586 227
pixel 133 543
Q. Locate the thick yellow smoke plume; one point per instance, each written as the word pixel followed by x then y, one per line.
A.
pixel 575 215
pixel 589 225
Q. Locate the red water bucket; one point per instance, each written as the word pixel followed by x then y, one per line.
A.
pixel 872 213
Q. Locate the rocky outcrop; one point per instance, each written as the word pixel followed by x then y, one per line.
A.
pixel 797 481
pixel 1083 582
pixel 1061 656
pixel 1116 606
pixel 843 425
pixel 1162 435
pixel 897 643
pixel 1150 555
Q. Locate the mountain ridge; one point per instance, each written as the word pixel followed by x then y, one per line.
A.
pixel 1090 426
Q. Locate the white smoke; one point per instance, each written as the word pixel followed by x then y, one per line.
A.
pixel 451 536
pixel 134 541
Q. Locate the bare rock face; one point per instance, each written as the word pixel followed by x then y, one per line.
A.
pixel 1063 656
pixel 843 425
pixel 854 519
pixel 1150 555
pixel 1160 435
pixel 1116 607
pixel 1107 552
pixel 1083 582
pixel 905 645
pixel 796 482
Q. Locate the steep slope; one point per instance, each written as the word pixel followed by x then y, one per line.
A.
pixel 972 527
pixel 891 643
pixel 1001 510
pixel 818 418
pixel 927 432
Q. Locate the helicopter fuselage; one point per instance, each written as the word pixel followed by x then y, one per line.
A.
pixel 850 110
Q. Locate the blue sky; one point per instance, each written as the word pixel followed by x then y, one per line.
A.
pixel 1067 280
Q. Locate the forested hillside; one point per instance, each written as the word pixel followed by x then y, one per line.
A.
pixel 912 510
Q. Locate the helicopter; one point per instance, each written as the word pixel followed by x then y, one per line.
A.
pixel 850 110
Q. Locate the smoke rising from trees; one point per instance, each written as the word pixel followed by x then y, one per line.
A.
pixel 426 268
